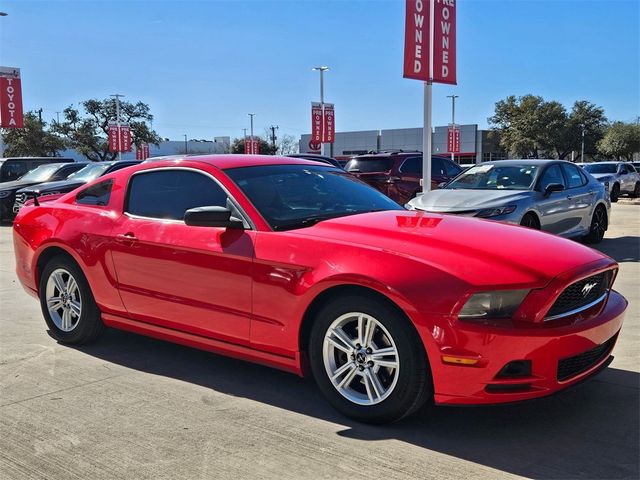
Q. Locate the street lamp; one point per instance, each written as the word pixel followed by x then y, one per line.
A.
pixel 582 149
pixel 321 70
pixel 453 123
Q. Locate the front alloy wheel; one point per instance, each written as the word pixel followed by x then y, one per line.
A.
pixel 361 358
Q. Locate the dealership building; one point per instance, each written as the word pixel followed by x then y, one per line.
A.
pixel 475 145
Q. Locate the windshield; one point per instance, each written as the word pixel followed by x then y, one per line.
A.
pixel 494 177
pixel 296 196
pixel 369 164
pixel 601 168
pixel 41 173
pixel 90 172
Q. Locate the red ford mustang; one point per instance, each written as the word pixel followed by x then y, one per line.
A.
pixel 302 267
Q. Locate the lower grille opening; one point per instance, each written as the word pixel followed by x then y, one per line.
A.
pixel 514 369
pixel 573 366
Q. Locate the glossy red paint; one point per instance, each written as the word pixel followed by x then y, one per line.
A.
pixel 246 293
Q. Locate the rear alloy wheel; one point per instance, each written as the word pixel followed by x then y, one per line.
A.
pixel 530 221
pixel 67 303
pixel 368 361
pixel 598 226
pixel 615 193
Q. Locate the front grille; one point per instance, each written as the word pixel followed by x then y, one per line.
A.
pixel 572 366
pixel 580 294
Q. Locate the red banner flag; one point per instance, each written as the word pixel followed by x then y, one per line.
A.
pixel 114 137
pixel 139 152
pixel 316 122
pixel 329 125
pixel 453 139
pixel 256 146
pixel 125 138
pixel 11 102
pixel 416 40
pixel 145 151
pixel 444 42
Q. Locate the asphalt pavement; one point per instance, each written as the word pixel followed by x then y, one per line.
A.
pixel 130 407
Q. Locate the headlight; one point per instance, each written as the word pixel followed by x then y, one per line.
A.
pixel 494 212
pixel 496 304
pixel 5 193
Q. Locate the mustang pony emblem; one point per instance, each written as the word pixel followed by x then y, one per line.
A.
pixel 587 288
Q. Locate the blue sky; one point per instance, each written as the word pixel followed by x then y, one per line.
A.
pixel 202 66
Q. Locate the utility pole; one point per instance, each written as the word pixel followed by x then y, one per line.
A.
pixel 251 115
pixel 273 137
pixel 117 97
pixel 582 148
pixel 453 122
pixel 186 148
pixel 321 70
pixel 58 117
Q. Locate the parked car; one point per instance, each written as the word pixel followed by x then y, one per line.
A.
pixel 620 177
pixel 303 267
pixel 636 165
pixel 90 172
pixel 46 172
pixel 551 195
pixel 398 174
pixel 12 168
pixel 317 158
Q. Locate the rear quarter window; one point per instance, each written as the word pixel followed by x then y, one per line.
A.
pixel 97 195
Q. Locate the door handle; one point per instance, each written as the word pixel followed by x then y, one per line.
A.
pixel 128 238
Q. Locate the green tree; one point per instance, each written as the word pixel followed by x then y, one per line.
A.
pixel 33 140
pixel 265 147
pixel 531 127
pixel 88 131
pixel 620 141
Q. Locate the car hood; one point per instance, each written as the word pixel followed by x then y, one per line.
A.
pixel 602 176
pixel 451 200
pixel 62 185
pixel 479 252
pixel 15 185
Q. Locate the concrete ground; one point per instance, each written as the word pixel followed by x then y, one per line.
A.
pixel 130 407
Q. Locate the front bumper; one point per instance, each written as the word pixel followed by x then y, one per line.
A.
pixel 544 346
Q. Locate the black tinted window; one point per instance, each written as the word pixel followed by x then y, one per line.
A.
pixel 452 168
pixel 12 169
pixel 168 194
pixel 97 194
pixel 369 164
pixel 573 175
pixel 553 174
pixel 412 165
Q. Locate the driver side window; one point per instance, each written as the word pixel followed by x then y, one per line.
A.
pixel 168 194
pixel 552 174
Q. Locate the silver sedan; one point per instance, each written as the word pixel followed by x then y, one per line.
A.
pixel 551 195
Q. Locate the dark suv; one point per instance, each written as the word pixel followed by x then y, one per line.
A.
pixel 398 174
pixel 12 168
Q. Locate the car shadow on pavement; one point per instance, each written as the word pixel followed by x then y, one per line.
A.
pixel 590 431
pixel 621 249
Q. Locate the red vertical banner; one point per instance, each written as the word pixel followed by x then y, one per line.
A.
pixel 247 145
pixel 417 40
pixel 316 122
pixel 11 102
pixel 114 138
pixel 145 151
pixel 329 125
pixel 444 41
pixel 453 139
pixel 125 138
pixel 256 146
pixel 139 152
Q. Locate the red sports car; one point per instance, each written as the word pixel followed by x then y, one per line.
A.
pixel 301 266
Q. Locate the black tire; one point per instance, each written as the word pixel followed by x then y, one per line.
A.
pixel 599 224
pixel 530 220
pixel 413 385
pixel 615 193
pixel 83 328
pixel 636 191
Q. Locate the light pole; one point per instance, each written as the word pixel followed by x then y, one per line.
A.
pixel 117 97
pixel 453 123
pixel 582 147
pixel 251 115
pixel 186 148
pixel 321 70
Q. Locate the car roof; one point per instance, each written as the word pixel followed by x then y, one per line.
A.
pixel 609 162
pixel 225 161
pixel 520 161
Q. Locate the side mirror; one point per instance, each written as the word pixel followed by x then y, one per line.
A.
pixel 211 217
pixel 553 187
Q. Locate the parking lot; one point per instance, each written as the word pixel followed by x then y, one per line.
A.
pixel 133 407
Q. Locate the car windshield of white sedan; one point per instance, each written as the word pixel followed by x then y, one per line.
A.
pixel 494 177
pixel 90 172
pixel 297 196
pixel 40 174
pixel 601 168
